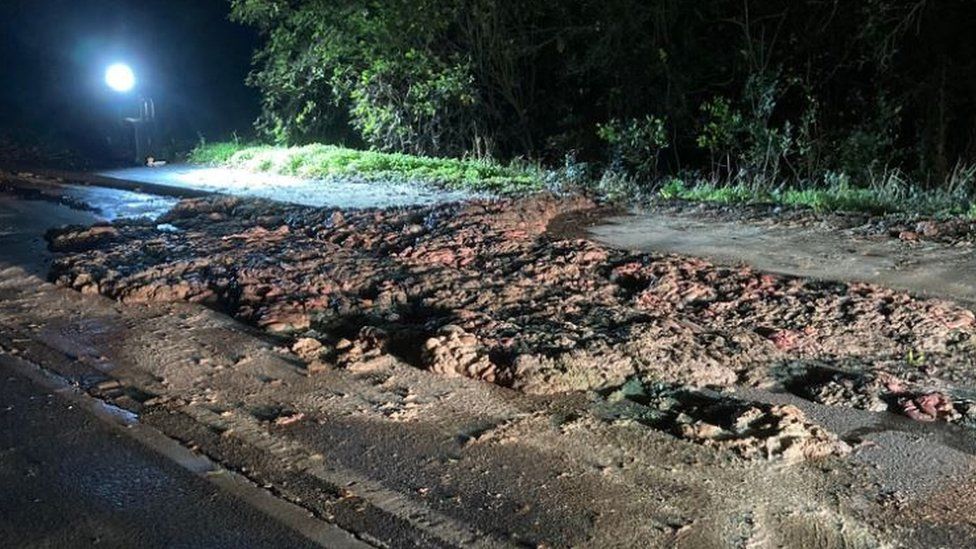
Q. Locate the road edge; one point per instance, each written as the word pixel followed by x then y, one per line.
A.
pixel 288 514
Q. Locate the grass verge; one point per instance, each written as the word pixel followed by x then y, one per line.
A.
pixel 324 161
pixel 887 197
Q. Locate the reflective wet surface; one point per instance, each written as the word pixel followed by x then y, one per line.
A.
pixel 337 192
pixel 112 204
pixel 70 480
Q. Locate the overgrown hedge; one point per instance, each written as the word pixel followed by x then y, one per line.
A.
pixel 759 91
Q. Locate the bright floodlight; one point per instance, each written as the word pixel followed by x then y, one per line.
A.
pixel 120 77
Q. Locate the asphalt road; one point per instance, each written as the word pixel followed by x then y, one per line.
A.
pixel 71 480
pixel 337 192
pixel 22 227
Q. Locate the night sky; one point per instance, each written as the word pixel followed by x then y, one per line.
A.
pixel 188 57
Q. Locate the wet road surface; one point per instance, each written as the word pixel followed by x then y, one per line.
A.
pixel 71 480
pixel 22 227
pixel 343 192
pixel 927 269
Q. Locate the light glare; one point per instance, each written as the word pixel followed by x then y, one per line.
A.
pixel 120 77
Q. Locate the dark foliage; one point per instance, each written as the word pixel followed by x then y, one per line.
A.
pixel 763 89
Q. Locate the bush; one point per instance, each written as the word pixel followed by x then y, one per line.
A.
pixel 763 94
pixel 417 105
pixel 635 145
pixel 214 153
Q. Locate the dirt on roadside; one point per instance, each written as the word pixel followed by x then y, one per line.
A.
pixel 483 290
pixel 479 374
pixel 927 257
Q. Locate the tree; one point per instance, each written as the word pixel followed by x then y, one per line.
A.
pixel 811 86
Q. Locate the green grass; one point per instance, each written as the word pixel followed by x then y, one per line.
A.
pixel 214 153
pixel 888 194
pixel 889 197
pixel 324 161
pixel 705 192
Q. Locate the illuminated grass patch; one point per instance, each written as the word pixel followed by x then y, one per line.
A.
pixel 877 198
pixel 324 161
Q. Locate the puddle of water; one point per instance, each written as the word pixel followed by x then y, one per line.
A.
pixel 114 204
pixel 115 413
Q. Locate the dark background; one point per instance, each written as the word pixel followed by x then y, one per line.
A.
pixel 186 54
